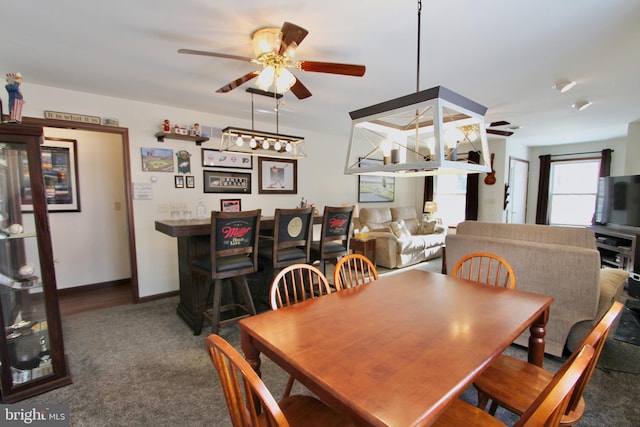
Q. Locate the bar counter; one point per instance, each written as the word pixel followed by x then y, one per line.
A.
pixel 193 241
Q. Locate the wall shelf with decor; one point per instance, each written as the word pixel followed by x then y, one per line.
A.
pixel 197 139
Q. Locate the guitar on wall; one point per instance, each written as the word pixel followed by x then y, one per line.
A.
pixel 490 179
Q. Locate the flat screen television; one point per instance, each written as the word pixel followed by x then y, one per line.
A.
pixel 618 201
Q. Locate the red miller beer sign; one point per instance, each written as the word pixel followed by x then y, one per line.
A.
pixel 236 234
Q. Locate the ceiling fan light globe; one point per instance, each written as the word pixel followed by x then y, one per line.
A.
pixel 266 77
pixel 283 80
pixel 264 40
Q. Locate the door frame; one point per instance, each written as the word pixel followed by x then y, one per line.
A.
pixel 124 134
pixel 512 161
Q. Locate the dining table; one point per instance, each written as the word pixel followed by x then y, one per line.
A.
pixel 396 351
pixel 194 240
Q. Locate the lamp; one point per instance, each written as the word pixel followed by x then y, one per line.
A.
pixel 266 43
pixel 564 86
pixel 259 143
pixel 430 207
pixel 427 130
pixel 581 105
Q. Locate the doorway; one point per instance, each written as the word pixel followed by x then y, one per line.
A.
pixel 121 134
pixel 517 191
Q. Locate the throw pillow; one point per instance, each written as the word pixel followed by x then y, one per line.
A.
pixel 399 229
pixel 427 227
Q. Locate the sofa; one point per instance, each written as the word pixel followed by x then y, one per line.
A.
pixel 561 262
pixel 402 239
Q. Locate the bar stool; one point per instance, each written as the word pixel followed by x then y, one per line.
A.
pixel 233 255
pixel 334 237
pixel 290 243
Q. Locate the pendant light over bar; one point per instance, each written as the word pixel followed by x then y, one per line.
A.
pixel 429 132
pixel 259 143
pixel 264 144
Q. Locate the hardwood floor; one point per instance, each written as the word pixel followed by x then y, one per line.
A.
pixel 79 300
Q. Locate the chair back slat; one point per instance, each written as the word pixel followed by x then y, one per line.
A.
pixel 596 339
pixel 548 408
pixel 353 270
pixel 244 391
pixel 297 283
pixel 486 268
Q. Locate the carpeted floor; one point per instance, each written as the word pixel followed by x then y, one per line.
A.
pixel 140 365
pixel 629 328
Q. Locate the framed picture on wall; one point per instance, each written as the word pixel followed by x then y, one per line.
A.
pixel 375 188
pixel 230 205
pixel 226 182
pixel 157 159
pixel 277 176
pixel 60 173
pixel 218 159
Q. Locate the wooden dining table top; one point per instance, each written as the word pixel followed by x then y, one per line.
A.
pixel 396 351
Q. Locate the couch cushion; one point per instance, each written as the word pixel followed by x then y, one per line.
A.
pixel 408 214
pixel 400 230
pixel 427 227
pixel 375 218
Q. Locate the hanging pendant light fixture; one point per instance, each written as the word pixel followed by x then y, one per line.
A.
pixel 259 143
pixel 424 133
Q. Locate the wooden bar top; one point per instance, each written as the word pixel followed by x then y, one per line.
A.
pixel 202 227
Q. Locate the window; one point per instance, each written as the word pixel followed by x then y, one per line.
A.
pixel 451 197
pixel 572 192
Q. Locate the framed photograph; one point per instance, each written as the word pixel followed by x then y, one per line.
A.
pixel 179 181
pixel 230 205
pixel 277 176
pixel 157 159
pixel 190 181
pixel 218 159
pixel 375 188
pixel 60 173
pixel 226 182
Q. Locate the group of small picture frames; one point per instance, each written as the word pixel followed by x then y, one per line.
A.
pixel 182 181
pixel 218 181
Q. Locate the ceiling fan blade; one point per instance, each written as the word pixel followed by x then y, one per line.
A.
pixel 499 123
pixel 215 54
pixel 291 35
pixel 500 132
pixel 300 90
pixel 332 68
pixel 234 84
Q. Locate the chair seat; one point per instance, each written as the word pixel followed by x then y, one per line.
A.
pixel 229 263
pixel 461 413
pixel 529 379
pixel 507 372
pixel 307 411
pixel 265 253
pixel 329 248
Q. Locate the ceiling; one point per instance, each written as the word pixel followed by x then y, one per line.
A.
pixel 503 54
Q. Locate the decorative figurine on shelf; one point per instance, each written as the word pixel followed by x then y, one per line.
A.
pixel 166 126
pixel 196 129
pixel 15 97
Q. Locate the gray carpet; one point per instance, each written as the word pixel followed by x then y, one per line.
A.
pixel 140 365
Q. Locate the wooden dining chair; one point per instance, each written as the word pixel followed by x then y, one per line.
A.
pixel 485 267
pixel 232 255
pixel 353 270
pixel 251 404
pixel 334 236
pixel 294 284
pixel 514 384
pixel 546 410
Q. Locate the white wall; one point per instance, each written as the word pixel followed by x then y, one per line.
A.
pixel 320 177
pixel 632 163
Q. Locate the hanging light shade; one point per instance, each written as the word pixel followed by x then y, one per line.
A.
pixel 430 131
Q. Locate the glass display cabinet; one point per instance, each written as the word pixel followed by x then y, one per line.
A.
pixel 31 347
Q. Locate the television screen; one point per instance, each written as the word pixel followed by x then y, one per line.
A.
pixel 618 201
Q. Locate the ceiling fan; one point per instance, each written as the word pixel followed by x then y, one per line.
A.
pixel 501 132
pixel 274 49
